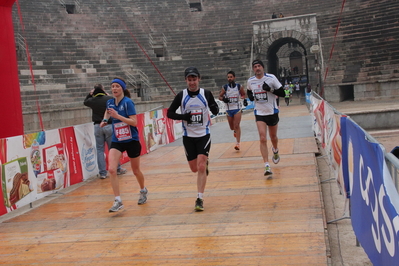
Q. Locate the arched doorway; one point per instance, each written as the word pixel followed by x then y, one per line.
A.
pixel 287 60
pixel 284 46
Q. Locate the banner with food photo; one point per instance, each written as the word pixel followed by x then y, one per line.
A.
pixel 50 180
pixel 54 158
pixel 15 181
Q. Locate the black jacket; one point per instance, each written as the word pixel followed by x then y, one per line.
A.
pixel 98 104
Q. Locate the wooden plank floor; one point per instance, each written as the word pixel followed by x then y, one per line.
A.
pixel 248 219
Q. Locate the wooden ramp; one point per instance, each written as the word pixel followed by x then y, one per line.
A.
pixel 248 219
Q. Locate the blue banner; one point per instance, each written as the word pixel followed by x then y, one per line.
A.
pixel 375 220
pixel 344 163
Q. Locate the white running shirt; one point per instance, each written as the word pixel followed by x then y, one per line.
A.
pixel 200 117
pixel 265 101
pixel 233 94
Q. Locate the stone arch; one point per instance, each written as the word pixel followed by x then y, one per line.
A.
pixel 270 46
pixel 285 34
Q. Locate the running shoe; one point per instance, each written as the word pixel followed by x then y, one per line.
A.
pixel 103 176
pixel 237 147
pixel 276 156
pixel 143 197
pixel 117 206
pixel 121 171
pixel 199 205
pixel 268 170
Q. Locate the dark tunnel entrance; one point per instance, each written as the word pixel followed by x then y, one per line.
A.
pixel 287 60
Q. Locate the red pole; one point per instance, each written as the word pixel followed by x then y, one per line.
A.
pixel 11 120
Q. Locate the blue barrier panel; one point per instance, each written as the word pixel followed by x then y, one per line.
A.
pixel 374 212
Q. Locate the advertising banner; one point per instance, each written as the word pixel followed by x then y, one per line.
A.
pixel 87 148
pixel 327 128
pixel 68 139
pixel 35 165
pixel 140 128
pixel 3 158
pixel 169 124
pixel 319 127
pixel 155 130
pixel 15 181
pixel 374 209
pixel 42 163
pixel 333 144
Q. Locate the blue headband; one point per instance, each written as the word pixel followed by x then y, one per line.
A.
pixel 120 82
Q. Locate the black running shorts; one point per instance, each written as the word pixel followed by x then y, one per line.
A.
pixel 270 120
pixel 195 146
pixel 133 148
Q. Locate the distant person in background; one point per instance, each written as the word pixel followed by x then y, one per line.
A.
pixel 231 94
pixel 97 101
pixel 297 89
pixel 281 15
pixel 125 137
pixel 194 103
pixel 262 88
pixel 292 87
pixel 287 95
pixel 274 15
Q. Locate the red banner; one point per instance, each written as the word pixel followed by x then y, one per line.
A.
pixel 68 138
pixel 169 123
pixel 9 82
pixel 140 128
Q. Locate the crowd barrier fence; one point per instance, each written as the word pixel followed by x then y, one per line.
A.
pixel 367 176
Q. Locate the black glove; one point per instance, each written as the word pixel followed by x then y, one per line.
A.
pixel 266 87
pixel 187 117
pixel 245 102
pixel 226 100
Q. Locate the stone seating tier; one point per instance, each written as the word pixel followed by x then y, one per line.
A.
pixel 217 39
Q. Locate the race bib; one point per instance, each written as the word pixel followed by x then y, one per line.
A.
pixel 233 99
pixel 260 96
pixel 122 131
pixel 197 118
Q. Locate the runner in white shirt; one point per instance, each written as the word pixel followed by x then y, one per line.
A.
pixel 194 103
pixel 262 88
pixel 231 94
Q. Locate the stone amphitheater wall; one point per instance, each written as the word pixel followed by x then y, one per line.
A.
pixel 103 39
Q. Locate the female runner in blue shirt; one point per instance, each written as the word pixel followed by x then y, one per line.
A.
pixel 125 137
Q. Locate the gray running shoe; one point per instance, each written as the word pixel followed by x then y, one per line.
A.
pixel 143 197
pixel 117 206
pixel 268 170
pixel 199 205
pixel 121 171
pixel 276 156
pixel 103 176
